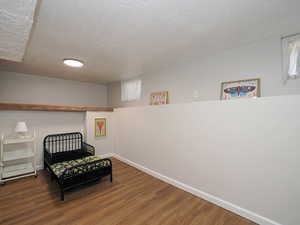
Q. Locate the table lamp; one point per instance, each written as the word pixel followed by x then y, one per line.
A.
pixel 21 129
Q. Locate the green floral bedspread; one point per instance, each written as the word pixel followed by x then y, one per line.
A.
pixel 59 168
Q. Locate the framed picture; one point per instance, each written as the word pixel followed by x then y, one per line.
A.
pixel 240 89
pixel 100 127
pixel 159 98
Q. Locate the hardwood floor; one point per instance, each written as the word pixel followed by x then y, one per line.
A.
pixel 134 198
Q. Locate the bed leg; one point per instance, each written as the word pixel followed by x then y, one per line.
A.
pixel 62 195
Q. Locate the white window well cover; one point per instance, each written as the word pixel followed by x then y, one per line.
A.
pixel 131 89
pixel 16 19
pixel 291 56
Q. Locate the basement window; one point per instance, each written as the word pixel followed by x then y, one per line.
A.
pixel 131 90
pixel 291 56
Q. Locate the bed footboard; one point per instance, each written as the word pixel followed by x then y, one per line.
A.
pixel 83 174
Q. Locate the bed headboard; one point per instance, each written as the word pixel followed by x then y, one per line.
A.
pixel 56 143
pixel 64 147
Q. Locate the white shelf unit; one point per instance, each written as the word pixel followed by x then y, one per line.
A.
pixel 17 157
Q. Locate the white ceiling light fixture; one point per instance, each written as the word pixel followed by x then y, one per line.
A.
pixel 73 63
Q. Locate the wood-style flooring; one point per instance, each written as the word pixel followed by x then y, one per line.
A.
pixel 134 198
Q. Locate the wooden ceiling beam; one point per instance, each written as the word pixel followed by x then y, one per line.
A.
pixel 36 107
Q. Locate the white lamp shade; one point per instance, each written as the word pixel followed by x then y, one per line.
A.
pixel 21 127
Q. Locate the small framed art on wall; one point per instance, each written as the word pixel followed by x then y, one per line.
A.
pixel 100 127
pixel 159 98
pixel 249 88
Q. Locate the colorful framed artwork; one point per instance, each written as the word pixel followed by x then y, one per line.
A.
pixel 159 98
pixel 100 127
pixel 240 89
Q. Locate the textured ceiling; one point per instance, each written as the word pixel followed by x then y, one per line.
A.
pixel 16 19
pixel 120 39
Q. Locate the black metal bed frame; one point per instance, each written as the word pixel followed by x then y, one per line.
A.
pixel 70 146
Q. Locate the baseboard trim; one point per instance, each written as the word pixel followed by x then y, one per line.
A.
pixel 201 194
pixel 107 155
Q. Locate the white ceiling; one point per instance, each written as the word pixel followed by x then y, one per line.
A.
pixel 119 39
pixel 16 19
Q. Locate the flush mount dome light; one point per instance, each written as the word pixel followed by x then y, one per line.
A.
pixel 73 63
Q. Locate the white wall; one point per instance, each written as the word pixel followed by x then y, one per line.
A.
pixel 103 145
pixel 22 88
pixel 245 152
pixel 30 89
pixel 44 123
pixel 258 60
